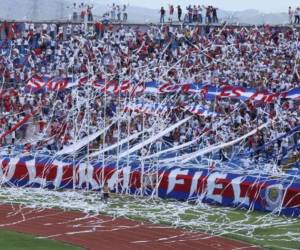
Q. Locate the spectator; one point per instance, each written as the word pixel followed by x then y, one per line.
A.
pixel 119 13
pixel 297 15
pixel 291 14
pixel 195 14
pixel 215 15
pixel 190 13
pixel 208 15
pixel 200 17
pixel 113 12
pixel 125 14
pixel 179 13
pixel 90 13
pixel 83 13
pixel 171 13
pixel 162 15
pixel 75 13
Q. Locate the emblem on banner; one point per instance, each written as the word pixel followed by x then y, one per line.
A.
pixel 274 195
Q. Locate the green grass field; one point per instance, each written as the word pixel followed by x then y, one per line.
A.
pixel 18 241
pixel 263 229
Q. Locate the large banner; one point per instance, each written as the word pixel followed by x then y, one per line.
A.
pixel 281 196
pixel 38 83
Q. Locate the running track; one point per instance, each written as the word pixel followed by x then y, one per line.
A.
pixel 103 232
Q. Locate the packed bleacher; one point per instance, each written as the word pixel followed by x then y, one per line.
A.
pixel 60 83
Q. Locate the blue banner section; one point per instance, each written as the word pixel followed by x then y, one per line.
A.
pixel 280 195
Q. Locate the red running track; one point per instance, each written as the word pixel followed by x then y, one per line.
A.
pixel 103 232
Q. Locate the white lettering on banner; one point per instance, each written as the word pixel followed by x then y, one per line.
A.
pixel 115 178
pixel 112 181
pixel 59 173
pixel 236 186
pixel 81 175
pixel 172 178
pixel 31 168
pixel 10 169
pixel 126 177
pixel 90 177
pixel 85 173
pixel 212 186
pixel 7 173
pixel 195 180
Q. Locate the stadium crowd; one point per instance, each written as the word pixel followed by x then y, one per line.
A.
pixel 194 14
pixel 265 58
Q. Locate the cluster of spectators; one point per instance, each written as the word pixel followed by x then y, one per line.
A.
pixel 82 13
pixel 294 15
pixel 192 14
pixel 116 13
pixel 264 58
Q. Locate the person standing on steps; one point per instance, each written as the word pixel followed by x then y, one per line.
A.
pixel 297 16
pixel 290 13
pixel 162 15
pixel 171 13
pixel 179 13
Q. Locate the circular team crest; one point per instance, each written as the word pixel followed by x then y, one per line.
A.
pixel 274 195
